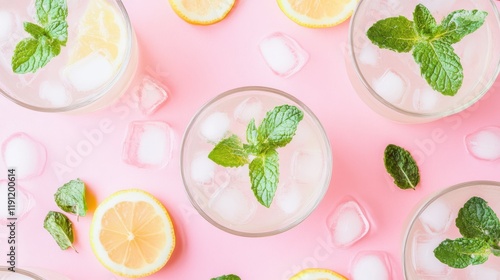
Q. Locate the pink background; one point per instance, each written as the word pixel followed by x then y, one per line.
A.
pixel 199 62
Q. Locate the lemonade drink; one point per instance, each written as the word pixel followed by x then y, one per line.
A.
pixel 391 83
pixel 434 221
pixel 223 195
pixel 93 68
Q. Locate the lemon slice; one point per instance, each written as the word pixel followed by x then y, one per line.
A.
pixel 318 13
pixel 101 30
pixel 317 274
pixel 131 234
pixel 202 11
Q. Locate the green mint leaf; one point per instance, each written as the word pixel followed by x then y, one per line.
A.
pixel 462 252
pixel 60 227
pixel 252 133
pixel 425 23
pixel 71 198
pixel 48 11
pixel 279 125
pixel 477 220
pixel 394 33
pixel 227 277
pixel 31 54
pixel 460 23
pixel 35 30
pixel 439 65
pixel 401 166
pixel 264 176
pixel 229 152
pixel 58 30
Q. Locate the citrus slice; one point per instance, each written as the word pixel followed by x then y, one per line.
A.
pixel 101 30
pixel 317 274
pixel 131 234
pixel 318 13
pixel 202 12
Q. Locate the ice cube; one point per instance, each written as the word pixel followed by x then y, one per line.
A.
pixel 288 198
pixel 424 100
pixel 148 144
pixel 215 126
pixel 484 273
pixel 7 25
pixel 247 110
pixel 368 55
pixel 424 261
pixel 436 218
pixel 484 143
pixel 347 224
pixel 233 205
pixel 25 154
pixel 283 54
pixel 89 73
pixel 307 166
pixel 24 201
pixel 202 169
pixel 390 87
pixel 371 266
pixel 151 95
pixel 55 93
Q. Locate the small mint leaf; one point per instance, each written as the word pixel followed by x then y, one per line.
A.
pixel 264 176
pixel 439 65
pixel 227 277
pixel 477 220
pixel 425 23
pixel 31 54
pixel 58 30
pixel 252 133
pixel 48 11
pixel 279 125
pixel 394 33
pixel 229 152
pixel 71 198
pixel 60 227
pixel 401 166
pixel 34 30
pixel 462 252
pixel 460 23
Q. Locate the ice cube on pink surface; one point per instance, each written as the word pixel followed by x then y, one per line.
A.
pixel 283 54
pixel 24 202
pixel 485 143
pixel 148 144
pixel 25 154
pixel 151 95
pixel 347 224
pixel 371 265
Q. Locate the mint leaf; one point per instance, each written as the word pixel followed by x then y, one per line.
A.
pixel 60 227
pixel 401 166
pixel 51 10
pixel 460 23
pixel 227 277
pixel 439 65
pixel 395 33
pixel 58 30
pixel 34 30
pixel 425 23
pixel 264 176
pixel 31 54
pixel 252 135
pixel 477 220
pixel 229 152
pixel 71 198
pixel 279 125
pixel 462 252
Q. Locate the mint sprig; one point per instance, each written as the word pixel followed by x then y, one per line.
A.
pixel 276 130
pixel 430 43
pixel 401 166
pixel 480 228
pixel 47 37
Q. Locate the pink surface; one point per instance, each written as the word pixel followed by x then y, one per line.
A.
pixel 199 62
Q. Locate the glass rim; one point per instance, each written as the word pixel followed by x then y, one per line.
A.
pixel 24 272
pixel 127 56
pixel 463 105
pixel 306 109
pixel 428 200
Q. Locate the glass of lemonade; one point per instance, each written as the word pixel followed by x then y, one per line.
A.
pixel 433 221
pixel 93 69
pixel 391 83
pixel 223 195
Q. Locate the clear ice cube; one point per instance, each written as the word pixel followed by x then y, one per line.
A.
pixel 89 73
pixel 483 272
pixel 307 166
pixel 148 144
pixel 24 202
pixel 288 198
pixel 250 108
pixel 7 25
pixel 55 93
pixel 283 54
pixel 425 100
pixel 424 261
pixel 390 86
pixel 202 169
pixel 25 154
pixel 233 205
pixel 485 143
pixel 368 55
pixel 436 218
pixel 347 224
pixel 215 126
pixel 371 265
pixel 151 95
